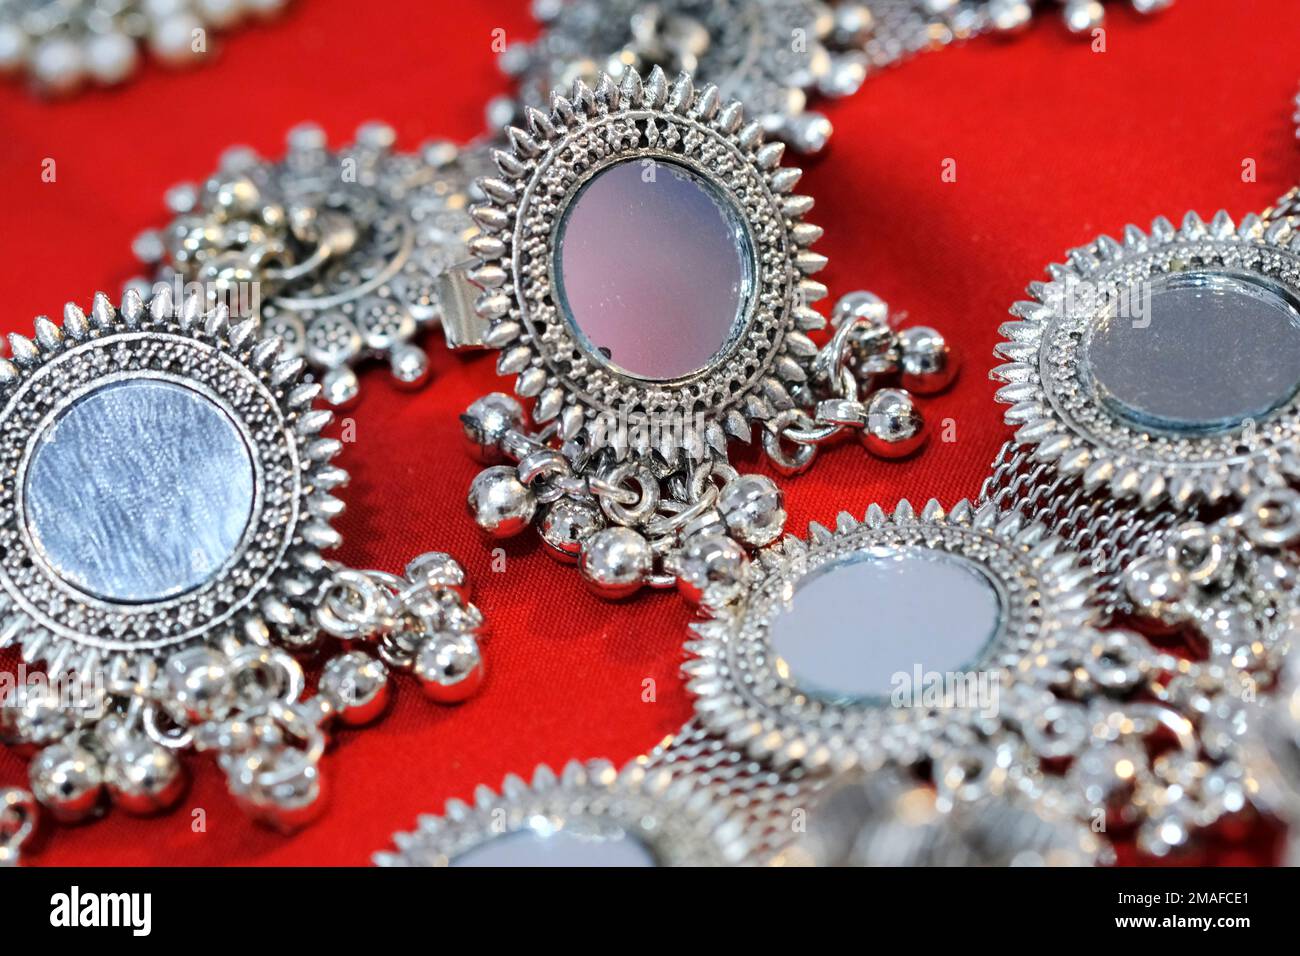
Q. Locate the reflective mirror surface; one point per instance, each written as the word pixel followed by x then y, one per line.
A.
pixel 853 625
pixel 1205 352
pixel 654 268
pixel 544 847
pixel 140 491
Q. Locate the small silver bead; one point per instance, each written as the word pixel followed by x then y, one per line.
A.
pixel 171 38
pixel 13 47
pixel 846 75
pixel 356 686
pixel 1158 590
pixel 110 57
pixel 501 504
pixel 567 523
pixel 751 507
pixel 439 571
pixel 808 132
pixel 295 799
pixel 201 683
pixel 58 65
pixel 31 718
pixel 340 386
pixel 860 304
pixel 710 569
pixel 927 363
pixel 1083 16
pixel 141 776
pixel 409 365
pixel 894 428
pixel 449 667
pixel 486 423
pixel 68 780
pixel 615 561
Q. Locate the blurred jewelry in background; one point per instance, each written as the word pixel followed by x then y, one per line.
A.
pixel 775 56
pixel 888 818
pixel 1271 747
pixel 772 55
pixel 335 252
pixel 63 45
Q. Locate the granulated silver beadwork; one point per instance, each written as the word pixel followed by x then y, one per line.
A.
pixel 645 817
pixel 337 253
pixel 1069 419
pixel 745 694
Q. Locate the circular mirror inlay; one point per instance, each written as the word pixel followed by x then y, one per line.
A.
pixel 853 625
pixel 139 491
pixel 654 268
pixel 1206 351
pixel 544 846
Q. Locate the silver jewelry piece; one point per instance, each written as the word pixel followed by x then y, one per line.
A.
pixel 336 253
pixel 64 44
pixel 627 471
pixel 787 673
pixel 161 554
pixel 590 815
pixel 1097 383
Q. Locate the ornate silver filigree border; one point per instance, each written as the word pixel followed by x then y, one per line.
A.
pixel 678 823
pixel 771 358
pixel 1058 410
pixel 267 585
pixel 741 695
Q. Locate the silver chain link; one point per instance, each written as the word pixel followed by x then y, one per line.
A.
pixel 1108 537
pixel 765 802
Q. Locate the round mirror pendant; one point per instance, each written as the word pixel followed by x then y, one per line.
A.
pixel 643 257
pixel 1165 367
pixel 589 815
pixel 898 636
pixel 654 268
pixel 171 483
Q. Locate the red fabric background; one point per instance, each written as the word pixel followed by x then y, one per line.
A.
pixel 1054 143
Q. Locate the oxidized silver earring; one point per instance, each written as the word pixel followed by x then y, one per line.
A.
pixel 645 272
pixel 589 815
pixel 1097 371
pixel 1016 683
pixel 64 44
pixel 336 253
pixel 161 540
